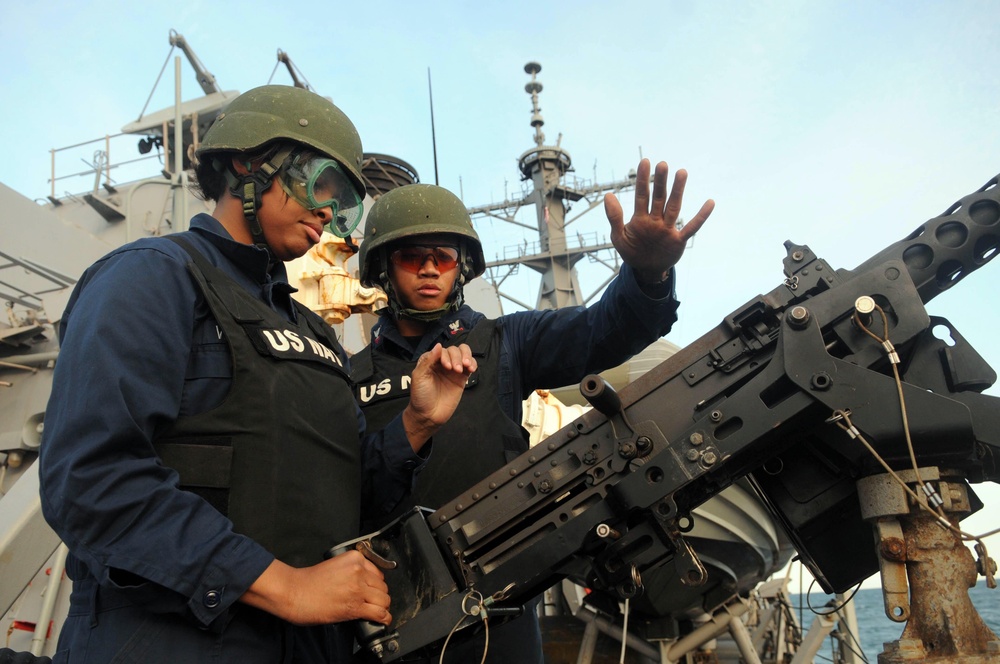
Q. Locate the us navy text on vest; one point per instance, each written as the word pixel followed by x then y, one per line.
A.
pixel 397 387
pixel 288 344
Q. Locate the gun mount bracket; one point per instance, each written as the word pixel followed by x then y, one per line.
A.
pixel 690 570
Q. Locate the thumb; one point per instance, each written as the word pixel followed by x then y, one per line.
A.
pixel 613 210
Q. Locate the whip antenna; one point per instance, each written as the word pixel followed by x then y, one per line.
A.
pixel 430 96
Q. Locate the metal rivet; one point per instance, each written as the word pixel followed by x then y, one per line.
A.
pixel 864 305
pixel 303 122
pixel 798 317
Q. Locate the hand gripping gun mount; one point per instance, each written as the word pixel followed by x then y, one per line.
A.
pixel 765 395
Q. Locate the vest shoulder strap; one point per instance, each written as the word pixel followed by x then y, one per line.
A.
pixel 237 306
pixel 362 367
pixel 480 337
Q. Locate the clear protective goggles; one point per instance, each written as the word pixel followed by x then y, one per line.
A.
pixel 315 181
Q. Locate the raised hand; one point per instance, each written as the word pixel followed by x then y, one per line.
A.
pixel 650 242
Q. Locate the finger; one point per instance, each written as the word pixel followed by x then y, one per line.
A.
pixel 695 224
pixel 461 357
pixel 451 359
pixel 377 594
pixel 440 355
pixel 468 361
pixel 375 613
pixel 375 580
pixel 366 570
pixel 431 357
pixel 642 188
pixel 616 217
pixel 676 195
pixel 659 190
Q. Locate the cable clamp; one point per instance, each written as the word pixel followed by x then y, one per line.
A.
pixel 478 608
pixel 890 350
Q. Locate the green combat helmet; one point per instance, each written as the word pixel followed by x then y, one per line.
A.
pixel 276 122
pixel 418 209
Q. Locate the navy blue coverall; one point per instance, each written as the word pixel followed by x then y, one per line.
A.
pixel 156 570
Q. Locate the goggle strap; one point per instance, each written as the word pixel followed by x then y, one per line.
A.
pixel 349 241
pixel 250 188
pixel 271 166
pixel 463 266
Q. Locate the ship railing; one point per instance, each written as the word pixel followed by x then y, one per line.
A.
pixel 23 283
pixel 568 243
pixel 101 163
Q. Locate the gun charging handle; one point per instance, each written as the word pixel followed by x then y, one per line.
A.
pixel 599 394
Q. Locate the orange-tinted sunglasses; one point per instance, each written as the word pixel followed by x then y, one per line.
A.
pixel 413 256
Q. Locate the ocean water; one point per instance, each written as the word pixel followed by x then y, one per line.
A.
pixel 876 628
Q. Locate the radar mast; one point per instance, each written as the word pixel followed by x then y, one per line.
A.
pixel 554 256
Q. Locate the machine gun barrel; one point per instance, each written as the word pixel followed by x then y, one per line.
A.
pixel 947 248
pixel 752 398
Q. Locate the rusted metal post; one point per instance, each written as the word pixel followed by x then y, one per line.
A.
pixel 942 625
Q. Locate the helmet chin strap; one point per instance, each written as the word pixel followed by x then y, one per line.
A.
pixel 249 187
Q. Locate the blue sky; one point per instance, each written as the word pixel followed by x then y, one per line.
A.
pixel 841 125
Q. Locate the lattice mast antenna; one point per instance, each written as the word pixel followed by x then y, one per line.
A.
pixel 545 166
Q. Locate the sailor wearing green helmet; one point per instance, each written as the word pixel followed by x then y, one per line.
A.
pixel 202 448
pixel 421 248
pixel 295 138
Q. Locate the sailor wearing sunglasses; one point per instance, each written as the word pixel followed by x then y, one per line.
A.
pixel 421 249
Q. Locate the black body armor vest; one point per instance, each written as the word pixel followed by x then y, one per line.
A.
pixel 478 439
pixel 280 456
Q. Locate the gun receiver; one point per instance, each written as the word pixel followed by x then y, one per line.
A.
pixel 606 500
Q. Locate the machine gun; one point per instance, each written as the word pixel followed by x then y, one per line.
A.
pixel 787 391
